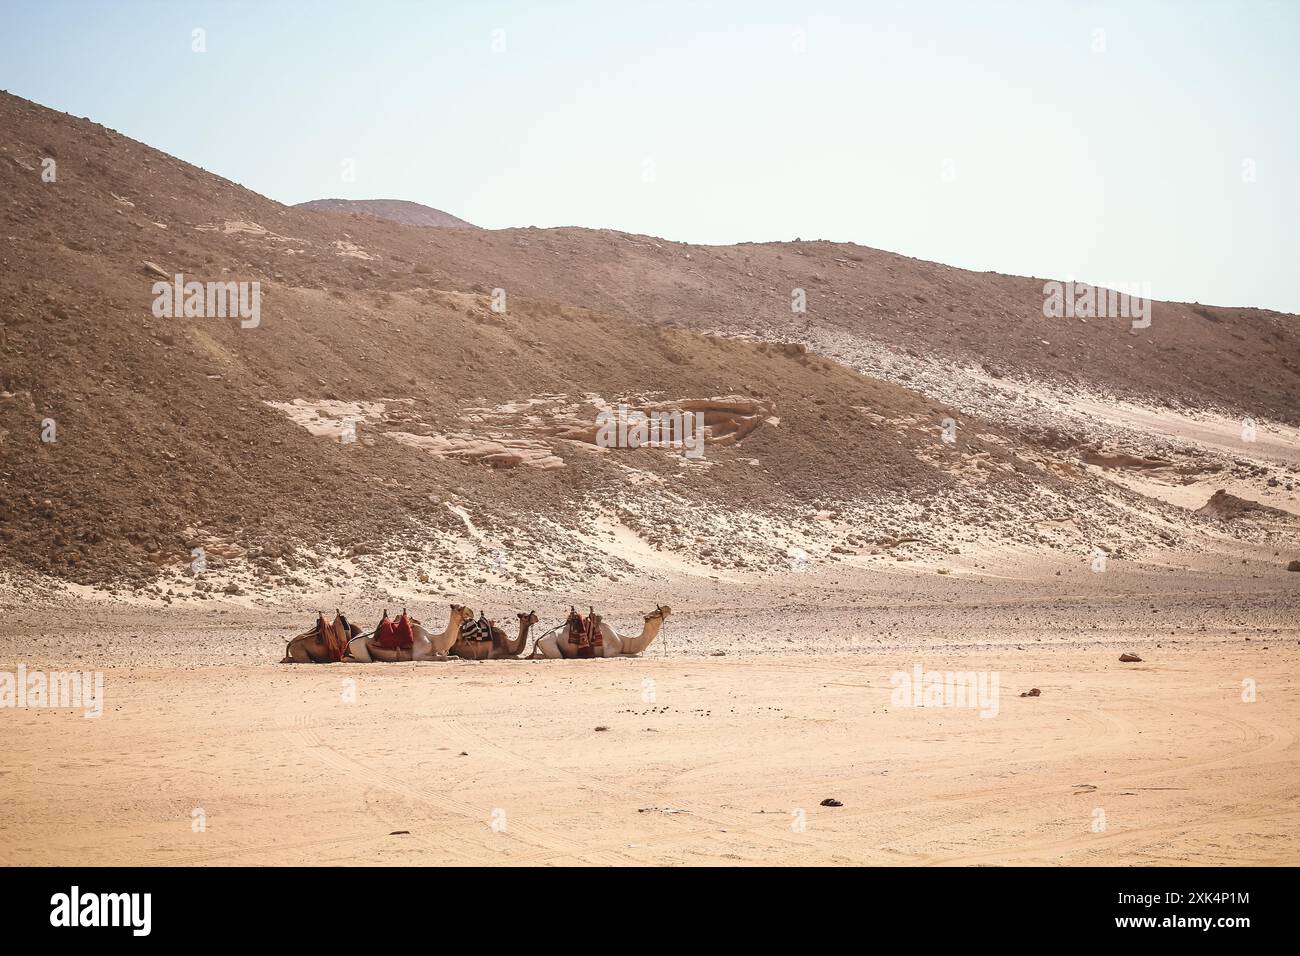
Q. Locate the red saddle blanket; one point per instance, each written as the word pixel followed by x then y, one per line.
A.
pixel 584 634
pixel 395 635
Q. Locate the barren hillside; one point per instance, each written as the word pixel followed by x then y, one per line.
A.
pixel 474 426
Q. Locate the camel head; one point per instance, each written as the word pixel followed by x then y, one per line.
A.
pixel 460 614
pixel 531 617
pixel 661 611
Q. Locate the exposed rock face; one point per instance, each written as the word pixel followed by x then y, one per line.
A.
pixel 1227 507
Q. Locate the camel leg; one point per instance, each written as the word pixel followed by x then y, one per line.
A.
pixel 548 647
pixel 377 653
pixel 295 652
pixel 423 648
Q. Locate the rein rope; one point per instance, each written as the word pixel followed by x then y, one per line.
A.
pixel 551 631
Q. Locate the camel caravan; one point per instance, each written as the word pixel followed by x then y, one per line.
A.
pixel 468 637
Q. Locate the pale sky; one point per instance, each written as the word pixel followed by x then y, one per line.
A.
pixel 1138 141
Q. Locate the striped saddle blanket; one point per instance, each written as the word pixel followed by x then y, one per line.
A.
pixel 480 630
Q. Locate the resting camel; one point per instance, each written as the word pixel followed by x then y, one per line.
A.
pixel 500 647
pixel 324 643
pixel 554 644
pixel 426 646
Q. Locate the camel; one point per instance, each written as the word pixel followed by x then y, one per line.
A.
pixel 427 646
pixel 554 644
pixel 324 643
pixel 500 647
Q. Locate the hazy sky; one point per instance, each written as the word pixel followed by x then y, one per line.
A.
pixel 1122 142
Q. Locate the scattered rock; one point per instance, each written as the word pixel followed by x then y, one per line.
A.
pixel 831 802
pixel 1226 506
pixel 1034 692
pixel 1130 658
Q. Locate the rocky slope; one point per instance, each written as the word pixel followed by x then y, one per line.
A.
pixel 419 403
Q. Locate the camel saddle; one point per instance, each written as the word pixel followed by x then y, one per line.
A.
pixel 480 630
pixel 335 636
pixel 394 635
pixel 584 633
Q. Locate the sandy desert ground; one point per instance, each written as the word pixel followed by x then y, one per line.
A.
pixel 770 696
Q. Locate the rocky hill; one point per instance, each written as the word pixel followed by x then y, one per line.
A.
pixel 419 402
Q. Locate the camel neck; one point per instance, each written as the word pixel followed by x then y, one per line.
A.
pixel 648 634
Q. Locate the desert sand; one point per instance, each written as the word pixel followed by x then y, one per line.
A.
pixel 209 753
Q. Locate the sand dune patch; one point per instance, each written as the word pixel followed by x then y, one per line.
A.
pixel 329 418
pixel 242 227
pixel 350 250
